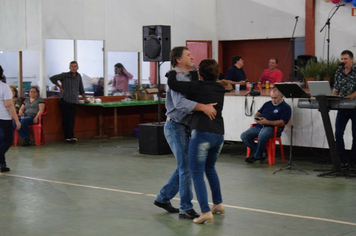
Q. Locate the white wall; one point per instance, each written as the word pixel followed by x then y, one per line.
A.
pixel 342 29
pixel 26 24
pixel 118 22
pixel 259 19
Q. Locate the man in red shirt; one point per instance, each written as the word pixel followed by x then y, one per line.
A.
pixel 272 74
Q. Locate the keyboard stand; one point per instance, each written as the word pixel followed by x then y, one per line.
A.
pixel 324 111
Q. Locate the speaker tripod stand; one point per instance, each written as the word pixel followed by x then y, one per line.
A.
pixel 291 91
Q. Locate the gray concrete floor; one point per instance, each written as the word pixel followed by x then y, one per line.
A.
pixel 105 187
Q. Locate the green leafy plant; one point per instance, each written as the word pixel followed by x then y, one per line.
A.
pixel 138 87
pixel 323 68
pixel 333 66
pixel 310 70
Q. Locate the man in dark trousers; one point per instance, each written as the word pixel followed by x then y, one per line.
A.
pixel 345 86
pixel 70 84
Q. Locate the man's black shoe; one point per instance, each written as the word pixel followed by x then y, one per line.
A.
pixel 263 157
pixel 345 165
pixel 4 169
pixel 250 160
pixel 167 206
pixel 26 143
pixel 190 214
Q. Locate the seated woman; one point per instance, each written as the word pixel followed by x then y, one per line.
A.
pixel 100 89
pixel 31 108
pixel 15 98
pixel 207 136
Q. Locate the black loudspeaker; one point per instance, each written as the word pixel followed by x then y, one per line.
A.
pixel 302 60
pixel 152 139
pixel 156 42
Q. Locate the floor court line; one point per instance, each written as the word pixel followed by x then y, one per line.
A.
pixel 152 195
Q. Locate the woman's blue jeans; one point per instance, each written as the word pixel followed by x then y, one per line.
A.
pixel 204 150
pixel 177 136
pixel 25 125
pixel 262 133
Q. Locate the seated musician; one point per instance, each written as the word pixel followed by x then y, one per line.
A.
pixel 345 86
pixel 273 113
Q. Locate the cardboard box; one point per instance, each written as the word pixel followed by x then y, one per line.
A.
pixel 147 94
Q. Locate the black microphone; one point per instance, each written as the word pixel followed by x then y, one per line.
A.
pixel 340 5
pixel 296 17
pixel 342 65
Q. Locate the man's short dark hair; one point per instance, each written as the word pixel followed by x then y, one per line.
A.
pixel 236 59
pixel 273 58
pixel 348 52
pixel 209 69
pixel 73 62
pixel 176 53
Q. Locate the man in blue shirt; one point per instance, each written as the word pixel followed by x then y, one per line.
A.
pixel 177 132
pixel 235 74
pixel 273 113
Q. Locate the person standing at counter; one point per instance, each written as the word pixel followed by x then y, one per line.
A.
pixel 235 74
pixel 120 83
pixel 99 91
pixel 7 112
pixel 345 86
pixel 272 74
pixel 70 85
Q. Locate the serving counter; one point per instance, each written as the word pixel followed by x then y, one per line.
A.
pixel 115 105
pixel 87 125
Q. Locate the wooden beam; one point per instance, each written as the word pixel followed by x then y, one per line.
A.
pixel 310 27
pixel 20 79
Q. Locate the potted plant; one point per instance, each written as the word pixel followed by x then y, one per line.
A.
pixel 137 88
pixel 333 66
pixel 143 92
pixel 310 71
pixel 323 70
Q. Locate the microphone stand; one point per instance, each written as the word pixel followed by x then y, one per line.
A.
pixel 292 44
pixel 291 90
pixel 328 40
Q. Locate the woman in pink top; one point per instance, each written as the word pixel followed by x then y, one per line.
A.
pixel 120 82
